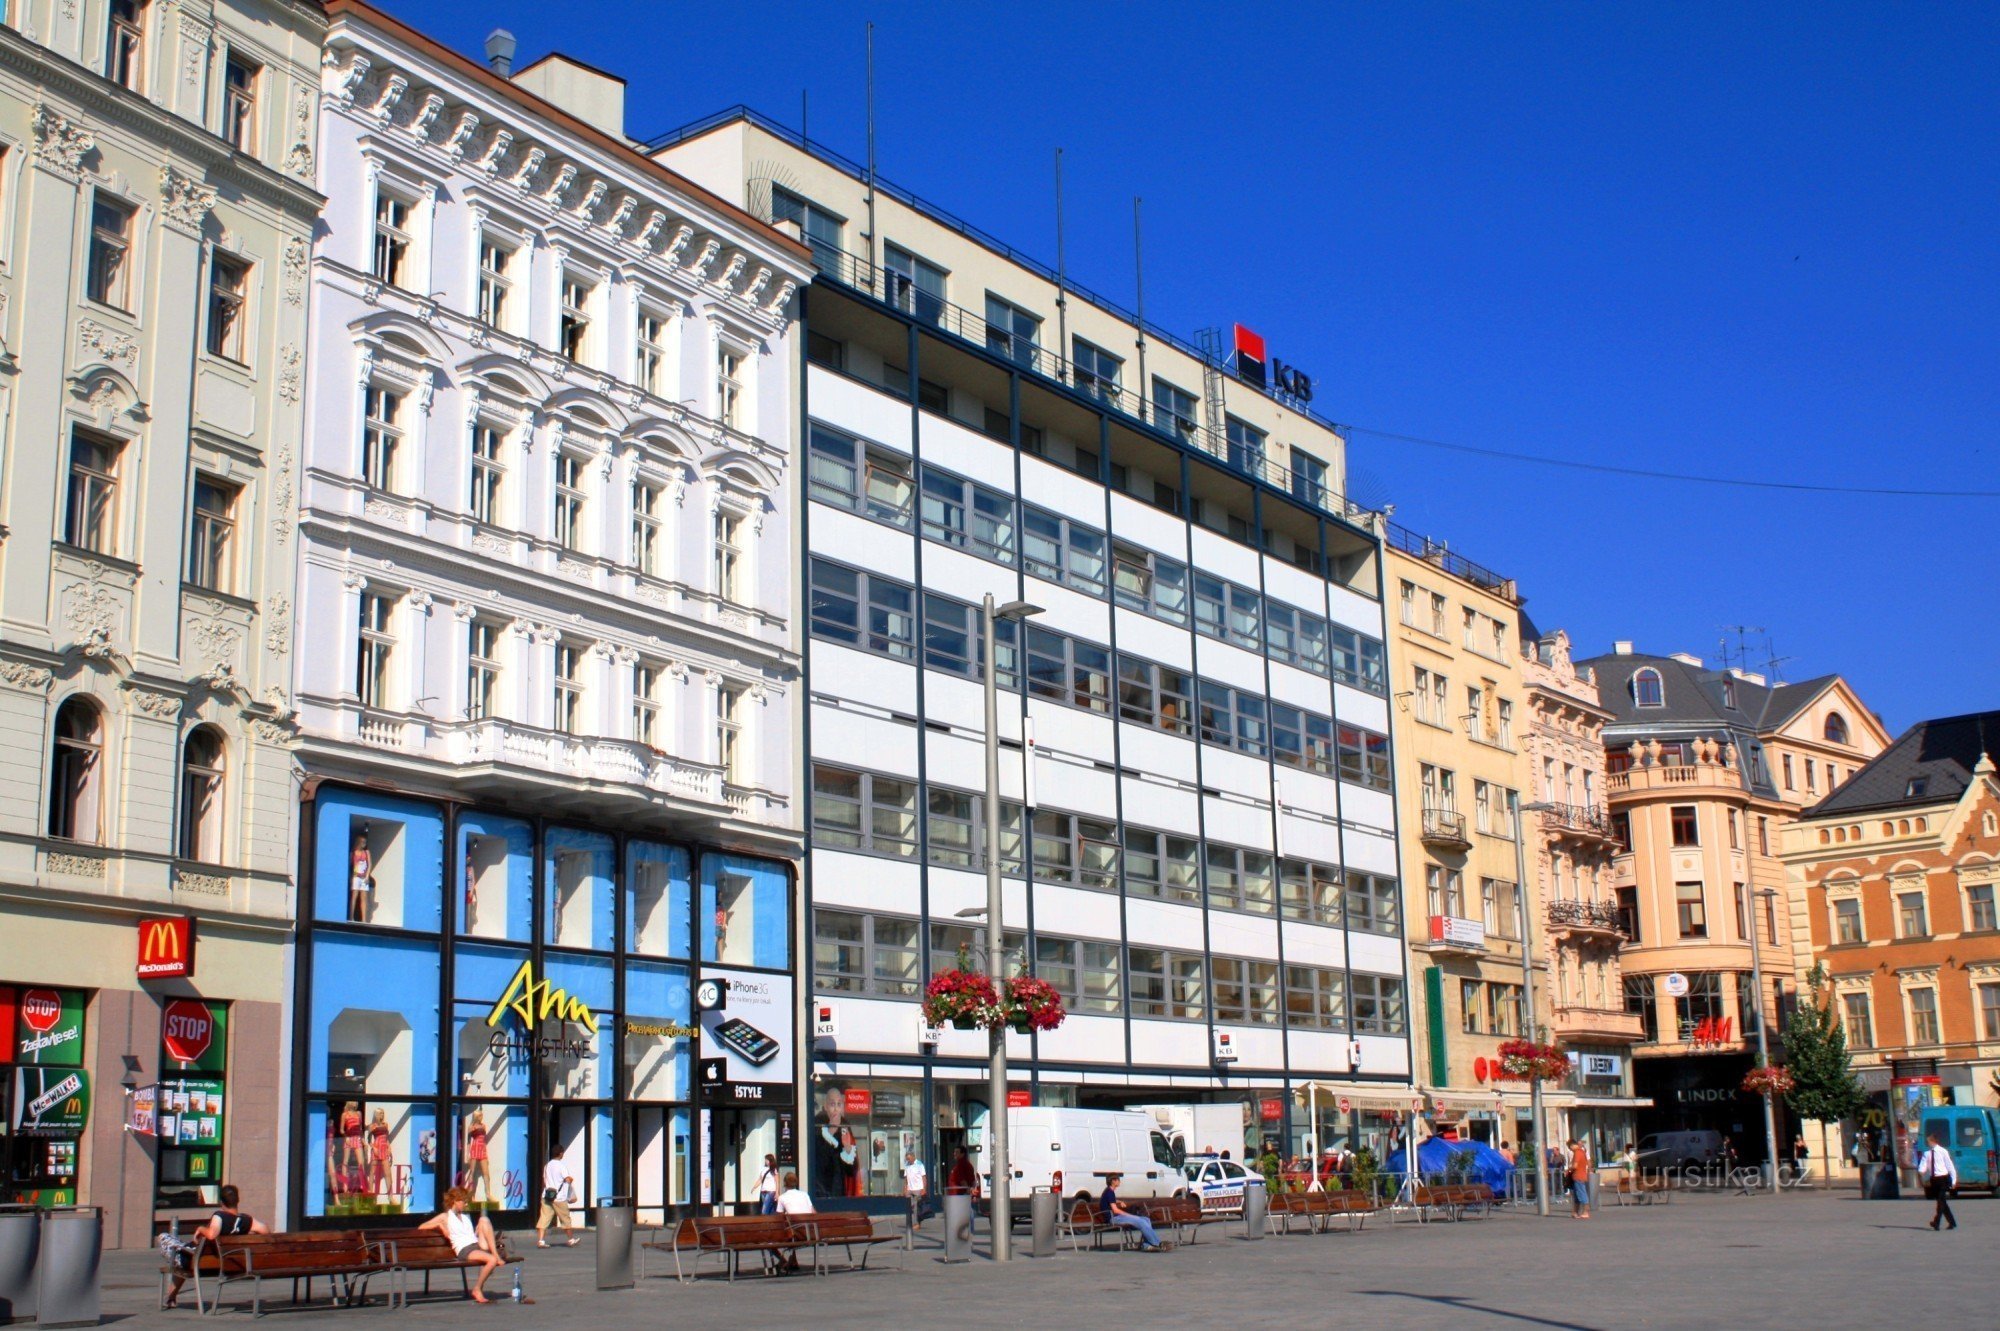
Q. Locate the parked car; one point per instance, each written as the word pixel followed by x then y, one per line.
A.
pixel 1216 1182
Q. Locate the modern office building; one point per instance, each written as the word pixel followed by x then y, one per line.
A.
pixel 1197 794
pixel 158 197
pixel 1892 878
pixel 547 691
pixel 1461 723
pixel 1705 768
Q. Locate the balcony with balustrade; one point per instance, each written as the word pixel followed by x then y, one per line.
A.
pixel 1585 919
pixel 1582 822
pixel 1444 829
pixel 1597 1025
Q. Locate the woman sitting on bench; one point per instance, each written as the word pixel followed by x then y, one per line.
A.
pixel 473 1243
pixel 226 1221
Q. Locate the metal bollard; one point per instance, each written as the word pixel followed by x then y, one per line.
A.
pixel 957 1227
pixel 1043 1208
pixel 1256 1208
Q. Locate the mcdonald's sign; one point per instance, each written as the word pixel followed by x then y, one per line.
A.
pixel 166 947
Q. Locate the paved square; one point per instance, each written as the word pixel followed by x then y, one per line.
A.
pixel 1816 1261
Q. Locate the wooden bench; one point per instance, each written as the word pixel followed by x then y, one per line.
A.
pixel 342 1257
pixel 1185 1215
pixel 729 1237
pixel 427 1250
pixel 846 1230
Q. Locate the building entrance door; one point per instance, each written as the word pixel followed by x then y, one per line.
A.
pixel 741 1140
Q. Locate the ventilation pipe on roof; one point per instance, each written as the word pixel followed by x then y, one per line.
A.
pixel 1623 647
pixel 500 48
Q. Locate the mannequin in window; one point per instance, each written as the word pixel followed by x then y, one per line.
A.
pixel 477 1180
pixel 360 879
pixel 353 1157
pixel 381 1156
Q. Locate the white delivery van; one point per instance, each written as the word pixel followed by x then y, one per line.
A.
pixel 1194 1129
pixel 1084 1147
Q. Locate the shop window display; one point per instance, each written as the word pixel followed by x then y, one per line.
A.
pixel 375 1157
pixel 496 857
pixel 580 907
pixel 191 1102
pixel 373 1029
pixel 656 1032
pixel 492 1161
pixel 656 900
pixel 378 860
pixel 859 1133
pixel 745 912
pixel 44 1094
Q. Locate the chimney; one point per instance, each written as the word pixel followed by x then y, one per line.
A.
pixel 591 95
pixel 1623 647
pixel 500 46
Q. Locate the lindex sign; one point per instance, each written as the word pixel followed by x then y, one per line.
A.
pixel 48 1027
pixel 191 1034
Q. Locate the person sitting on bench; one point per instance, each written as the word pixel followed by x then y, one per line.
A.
pixel 1123 1216
pixel 227 1220
pixel 473 1243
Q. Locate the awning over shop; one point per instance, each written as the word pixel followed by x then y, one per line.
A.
pixel 1463 1102
pixel 1375 1098
pixel 1614 1102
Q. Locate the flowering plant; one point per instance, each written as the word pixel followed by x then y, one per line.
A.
pixel 1033 1004
pixel 1769 1081
pixel 1524 1060
pixel 962 996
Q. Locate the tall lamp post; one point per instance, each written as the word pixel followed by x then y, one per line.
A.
pixel 996 1073
pixel 1770 1171
pixel 1535 1119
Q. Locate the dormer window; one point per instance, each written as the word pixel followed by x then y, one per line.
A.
pixel 1916 787
pixel 1647 688
pixel 1729 694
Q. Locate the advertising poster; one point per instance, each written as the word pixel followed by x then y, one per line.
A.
pixel 752 1032
pixel 51 1102
pixel 48 1027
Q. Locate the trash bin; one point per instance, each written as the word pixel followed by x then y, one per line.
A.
pixel 66 1288
pixel 1043 1208
pixel 614 1242
pixel 1256 1206
pixel 1878 1183
pixel 957 1227
pixel 20 1242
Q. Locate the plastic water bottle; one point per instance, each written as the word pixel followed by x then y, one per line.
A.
pixel 516 1294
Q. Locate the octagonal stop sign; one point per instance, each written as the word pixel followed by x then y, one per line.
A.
pixel 186 1028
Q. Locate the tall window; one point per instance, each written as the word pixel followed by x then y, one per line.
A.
pixel 1309 479
pixel 1011 331
pixel 488 471
pixel 820 227
pixel 914 286
pixel 729 733
pixel 569 501
pixel 1692 912
pixel 1174 410
pixel 1648 690
pixel 125 62
pixel 1923 1016
pixel 496 281
pixel 646 704
pixel 729 387
pixel 1979 911
pixel 76 773
pixel 568 688
pixel 392 238
pixel 1912 919
pixel 652 349
pixel 202 759
pixel 1506 710
pixel 728 555
pixel 1686 831
pixel 648 530
pixel 381 438
pixel 1096 371
pixel 1847 921
pixel 1643 1002
pixel 574 328
pixel 107 280
pixel 1989 1011
pixel 228 281
pixel 212 536
pixel 376 649
pixel 482 668
pixel 1835 729
pixel 239 102
pixel 1246 446
pixel 90 516
pixel 1860 1021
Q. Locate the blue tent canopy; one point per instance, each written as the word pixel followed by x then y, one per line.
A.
pixel 1434 1158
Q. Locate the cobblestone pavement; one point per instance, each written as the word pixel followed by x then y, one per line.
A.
pixel 1817 1261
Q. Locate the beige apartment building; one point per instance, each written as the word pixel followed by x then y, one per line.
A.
pixel 1706 767
pixel 1461 719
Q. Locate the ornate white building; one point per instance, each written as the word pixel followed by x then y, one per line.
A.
pixel 156 208
pixel 548 591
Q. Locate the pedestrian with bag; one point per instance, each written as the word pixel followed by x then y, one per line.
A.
pixel 1940 1176
pixel 558 1193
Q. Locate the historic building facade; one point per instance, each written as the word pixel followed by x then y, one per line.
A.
pixel 549 586
pixel 156 201
pixel 1197 787
pixel 1705 769
pixel 1892 881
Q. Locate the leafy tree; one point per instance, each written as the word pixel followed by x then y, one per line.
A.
pixel 1816 1052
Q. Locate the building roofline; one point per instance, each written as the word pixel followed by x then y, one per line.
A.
pixel 471 69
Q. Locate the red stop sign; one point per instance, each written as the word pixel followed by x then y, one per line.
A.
pixel 186 1029
pixel 41 1008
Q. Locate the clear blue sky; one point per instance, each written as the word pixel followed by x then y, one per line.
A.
pixel 1758 241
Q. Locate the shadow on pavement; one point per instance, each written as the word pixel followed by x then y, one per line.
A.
pixel 1464 1304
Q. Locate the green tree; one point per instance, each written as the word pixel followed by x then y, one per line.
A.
pixel 1824 1086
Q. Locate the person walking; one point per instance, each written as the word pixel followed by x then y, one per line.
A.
pixel 1579 1180
pixel 916 1181
pixel 767 1187
pixel 558 1193
pixel 963 1180
pixel 1940 1176
pixel 1123 1216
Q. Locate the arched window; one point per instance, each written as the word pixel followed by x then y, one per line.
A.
pixel 1836 728
pixel 1647 688
pixel 202 768
pixel 76 773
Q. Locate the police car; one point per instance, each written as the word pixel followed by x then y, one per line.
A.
pixel 1218 1183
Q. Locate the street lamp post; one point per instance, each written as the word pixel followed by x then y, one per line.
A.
pixel 1535 1120
pixel 996 1072
pixel 1763 894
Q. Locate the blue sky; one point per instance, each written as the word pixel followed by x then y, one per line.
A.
pixel 1755 241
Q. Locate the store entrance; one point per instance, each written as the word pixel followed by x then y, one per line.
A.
pixel 738 1145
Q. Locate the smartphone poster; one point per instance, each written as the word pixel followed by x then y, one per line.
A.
pixel 752 1030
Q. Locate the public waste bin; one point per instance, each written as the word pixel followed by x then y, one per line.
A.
pixel 66 1286
pixel 957 1227
pixel 20 1242
pixel 613 1222
pixel 1256 1207
pixel 1043 1208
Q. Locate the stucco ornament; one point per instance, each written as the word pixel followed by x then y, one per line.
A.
pixel 185 201
pixel 61 144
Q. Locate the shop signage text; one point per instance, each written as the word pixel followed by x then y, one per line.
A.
pixel 50 1027
pixel 51 1102
pixel 1020 1099
pixel 826 1022
pixel 533 1000
pixel 857 1104
pixel 1287 380
pixel 1603 1067
pixel 186 1028
pixel 662 1030
pixel 41 1009
pixel 1713 1030
pixel 166 947
pixel 1225 1046
pixel 1271 1109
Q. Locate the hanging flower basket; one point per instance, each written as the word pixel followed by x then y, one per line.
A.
pixel 962 998
pixel 1033 1005
pixel 1524 1060
pixel 1769 1081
